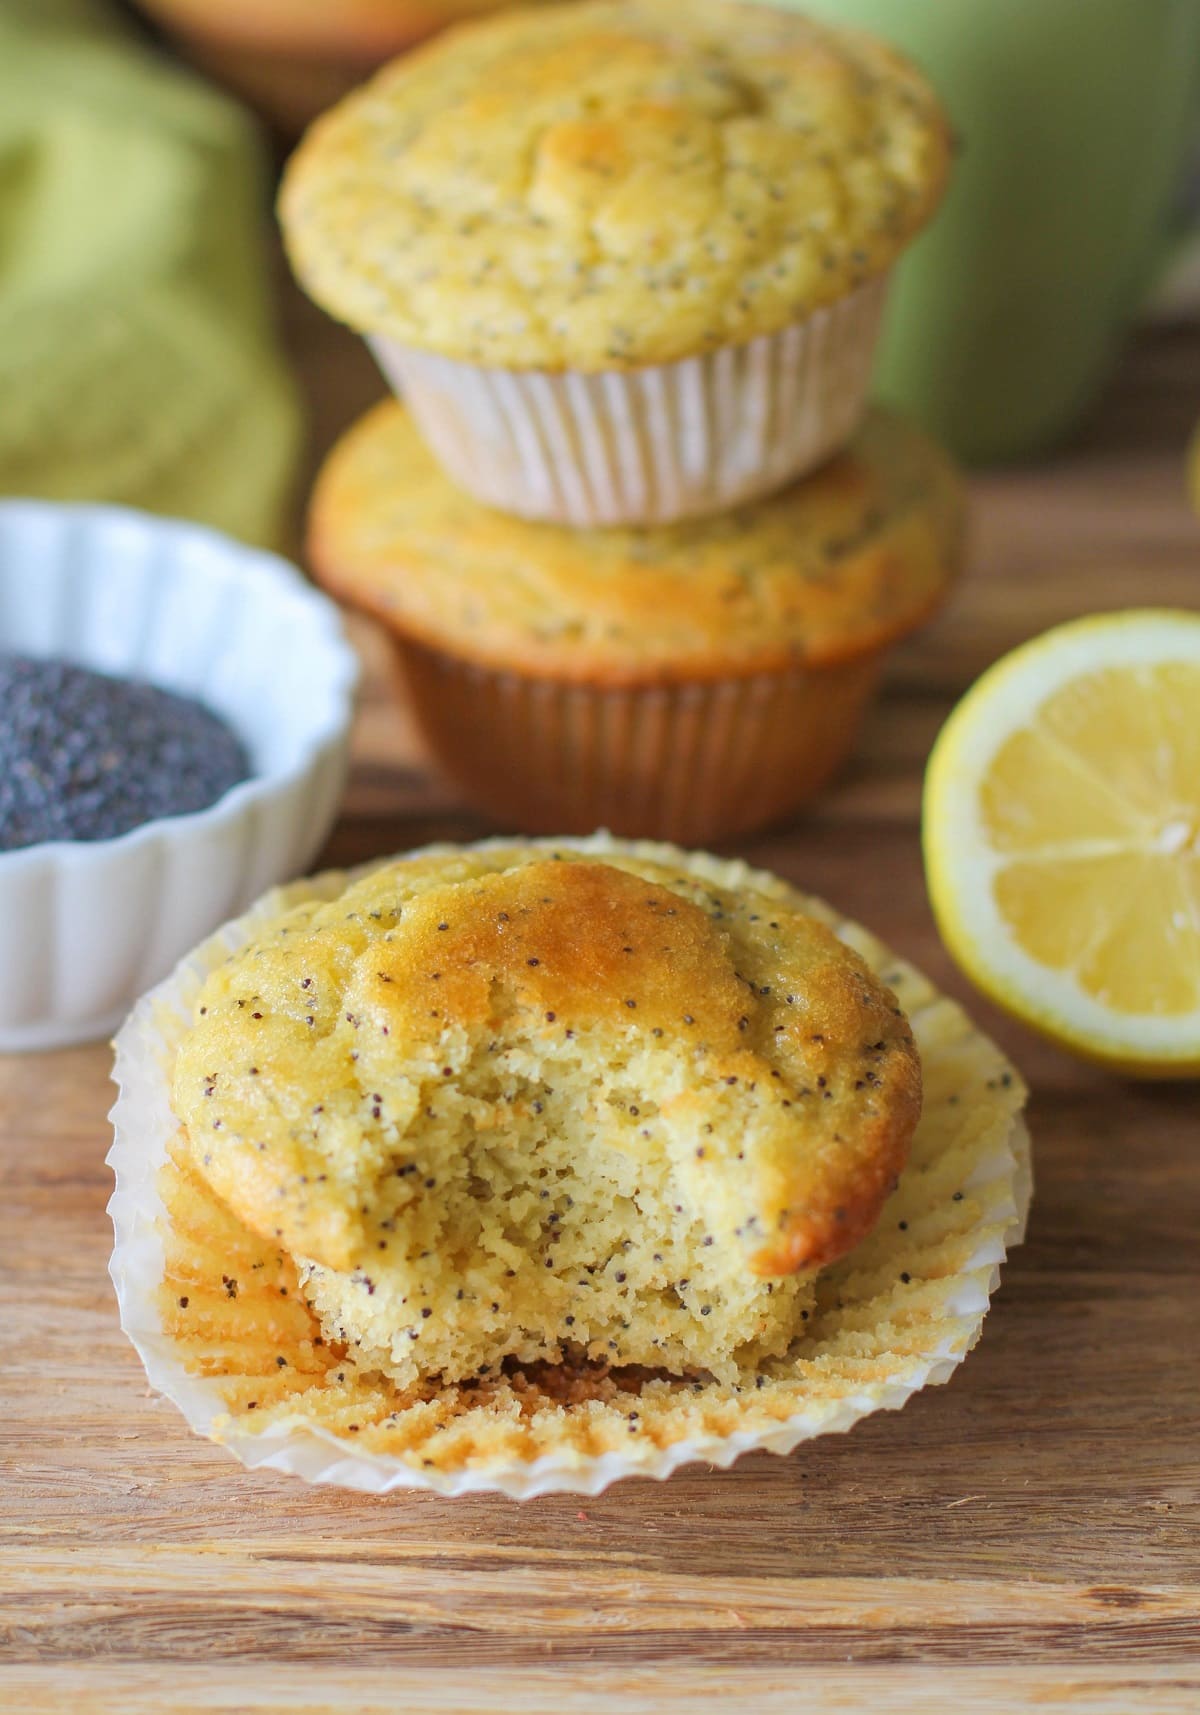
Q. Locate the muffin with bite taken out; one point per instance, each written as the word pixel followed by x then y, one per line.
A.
pixel 529 1166
pixel 527 1105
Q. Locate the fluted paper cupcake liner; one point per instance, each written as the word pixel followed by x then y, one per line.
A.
pixel 223 1331
pixel 652 444
pixel 695 763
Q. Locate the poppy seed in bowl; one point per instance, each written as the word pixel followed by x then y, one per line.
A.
pixel 88 756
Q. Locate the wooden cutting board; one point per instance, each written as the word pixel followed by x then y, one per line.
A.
pixel 1026 1536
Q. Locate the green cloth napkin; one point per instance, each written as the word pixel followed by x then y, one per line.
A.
pixel 137 362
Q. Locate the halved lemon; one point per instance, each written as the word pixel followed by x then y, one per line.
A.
pixel 1061 829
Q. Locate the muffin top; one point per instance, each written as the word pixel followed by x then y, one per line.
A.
pixel 613 183
pixel 836 566
pixel 483 1077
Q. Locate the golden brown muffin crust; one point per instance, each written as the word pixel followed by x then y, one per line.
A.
pixel 315 1052
pixel 615 183
pixel 835 567
pixel 364 29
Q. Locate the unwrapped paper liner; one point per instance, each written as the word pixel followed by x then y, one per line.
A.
pixel 897 1315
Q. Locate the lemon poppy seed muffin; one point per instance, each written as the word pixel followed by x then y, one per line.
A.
pixel 614 183
pixel 219 1316
pixel 833 568
pixel 625 259
pixel 517 1103
pixel 689 681
pixel 293 58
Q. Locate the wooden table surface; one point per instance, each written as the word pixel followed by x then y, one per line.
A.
pixel 1026 1536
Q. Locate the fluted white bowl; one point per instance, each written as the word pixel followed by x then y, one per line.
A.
pixel 87 926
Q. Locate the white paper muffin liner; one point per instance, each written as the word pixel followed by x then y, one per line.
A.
pixel 652 444
pixel 900 1313
pixel 86 926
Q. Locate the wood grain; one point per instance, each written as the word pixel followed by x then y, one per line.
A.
pixel 1026 1537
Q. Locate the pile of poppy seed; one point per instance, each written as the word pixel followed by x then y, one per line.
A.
pixel 84 756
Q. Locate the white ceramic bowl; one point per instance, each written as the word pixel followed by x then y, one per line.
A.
pixel 85 927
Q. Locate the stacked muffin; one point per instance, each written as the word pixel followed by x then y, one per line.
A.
pixel 291 58
pixel 640 544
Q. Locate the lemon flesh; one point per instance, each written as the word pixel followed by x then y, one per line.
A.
pixel 1062 837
